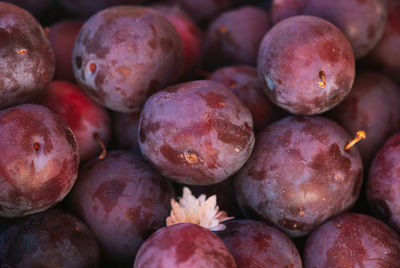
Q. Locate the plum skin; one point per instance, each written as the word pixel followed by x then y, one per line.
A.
pixel 212 133
pixel 39 164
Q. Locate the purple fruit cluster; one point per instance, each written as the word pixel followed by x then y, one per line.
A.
pixel 199 134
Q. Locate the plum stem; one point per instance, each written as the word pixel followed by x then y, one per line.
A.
pixel 101 143
pixel 322 76
pixel 359 136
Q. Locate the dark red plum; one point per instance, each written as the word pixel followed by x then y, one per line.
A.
pixel 62 37
pixel 235 36
pixel 196 133
pixel 191 35
pixel 306 65
pixel 361 21
pixel 122 200
pixel 126 130
pixel 243 81
pixel 26 57
pixel 205 10
pixel 255 244
pixel 89 121
pixel 299 174
pixel 123 54
pixel 386 55
pixel 383 190
pixel 53 238
pixel 39 162
pixel 184 245
pixel 373 105
pixel 352 240
pixel 86 8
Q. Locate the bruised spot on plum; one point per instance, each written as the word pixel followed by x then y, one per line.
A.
pixel 108 193
pixel 99 80
pixel 184 250
pixel 172 155
pixel 231 134
pixel 152 43
pixel 213 99
pixel 262 240
pixel 148 126
pixel 292 224
pixel 255 174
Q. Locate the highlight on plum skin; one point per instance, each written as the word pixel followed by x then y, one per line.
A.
pixel 39 162
pixel 299 174
pixel 88 120
pixel 123 54
pixel 212 133
pixel 123 196
pixel 53 238
pixel 307 70
pixel 184 245
pixel 27 59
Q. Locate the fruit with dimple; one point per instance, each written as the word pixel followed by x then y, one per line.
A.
pixel 53 238
pixel 39 162
pixel 123 54
pixel 184 245
pixel 352 240
pixel 123 196
pixel 196 133
pixel 26 57
pixel 306 65
pixel 299 174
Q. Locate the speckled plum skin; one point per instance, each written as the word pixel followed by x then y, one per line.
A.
pixel 255 244
pixel 373 105
pixel 306 65
pixel 26 57
pixel 123 54
pixel 386 54
pixel 196 133
pixel 243 81
pixel 299 174
pixel 184 245
pixel 53 238
pixel 85 117
pixel 39 162
pixel 122 200
pixel 361 21
pixel 352 240
pixel 235 36
pixel 383 187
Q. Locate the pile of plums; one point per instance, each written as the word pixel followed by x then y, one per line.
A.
pixel 288 111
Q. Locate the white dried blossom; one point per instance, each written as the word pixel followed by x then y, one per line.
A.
pixel 201 211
